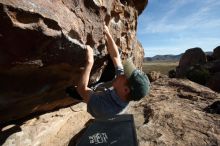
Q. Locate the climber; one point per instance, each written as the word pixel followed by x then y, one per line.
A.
pixel 129 84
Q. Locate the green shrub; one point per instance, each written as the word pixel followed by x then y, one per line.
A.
pixel 198 74
pixel 172 73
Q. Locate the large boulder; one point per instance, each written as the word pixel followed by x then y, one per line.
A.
pixel 216 53
pixel 176 112
pixel 191 57
pixel 42 48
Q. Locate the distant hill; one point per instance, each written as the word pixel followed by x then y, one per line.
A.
pixel 163 58
pixel 168 57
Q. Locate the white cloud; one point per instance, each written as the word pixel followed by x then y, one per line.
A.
pixel 175 28
pixel 200 18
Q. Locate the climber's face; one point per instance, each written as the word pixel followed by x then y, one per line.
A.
pixel 121 85
pixel 120 81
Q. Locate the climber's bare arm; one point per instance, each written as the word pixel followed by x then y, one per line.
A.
pixel 82 88
pixel 113 49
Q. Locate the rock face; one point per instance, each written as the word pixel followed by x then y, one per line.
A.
pixel 42 48
pixel 190 57
pixel 174 113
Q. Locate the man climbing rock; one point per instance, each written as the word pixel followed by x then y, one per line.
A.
pixel 129 84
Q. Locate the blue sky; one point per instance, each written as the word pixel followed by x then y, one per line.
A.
pixel 173 26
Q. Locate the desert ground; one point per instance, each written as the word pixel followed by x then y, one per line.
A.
pixel 160 66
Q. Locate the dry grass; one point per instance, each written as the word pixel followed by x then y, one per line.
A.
pixel 162 67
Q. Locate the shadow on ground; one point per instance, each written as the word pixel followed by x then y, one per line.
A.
pixel 78 136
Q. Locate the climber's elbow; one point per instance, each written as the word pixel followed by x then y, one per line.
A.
pixel 84 92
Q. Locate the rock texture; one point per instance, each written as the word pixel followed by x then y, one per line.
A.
pixel 190 57
pixel 42 48
pixel 55 128
pixel 173 114
pixel 153 76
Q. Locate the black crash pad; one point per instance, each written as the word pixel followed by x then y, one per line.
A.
pixel 115 131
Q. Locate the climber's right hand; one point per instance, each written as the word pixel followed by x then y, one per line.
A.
pixel 106 30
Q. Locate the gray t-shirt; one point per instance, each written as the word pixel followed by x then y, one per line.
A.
pixel 106 103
